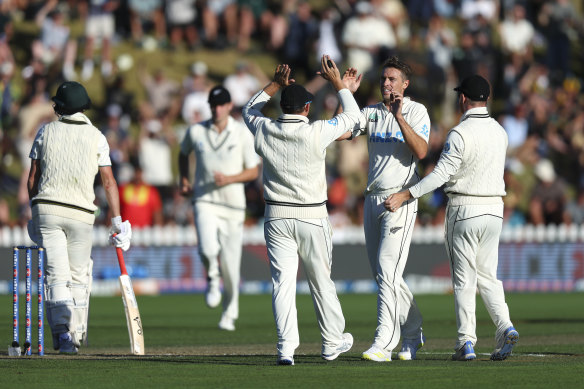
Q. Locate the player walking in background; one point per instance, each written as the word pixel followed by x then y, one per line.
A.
pixel 225 160
pixel 296 219
pixel 66 155
pixel 472 164
pixel 398 130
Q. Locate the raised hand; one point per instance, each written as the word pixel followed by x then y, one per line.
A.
pixel 351 80
pixel 396 103
pixel 328 69
pixel 282 75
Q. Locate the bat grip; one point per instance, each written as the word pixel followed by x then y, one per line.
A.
pixel 121 260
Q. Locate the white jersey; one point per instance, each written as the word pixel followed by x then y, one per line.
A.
pixel 228 152
pixel 392 166
pixel 294 152
pixel 472 162
pixel 70 151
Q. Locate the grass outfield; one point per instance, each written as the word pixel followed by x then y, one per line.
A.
pixel 185 349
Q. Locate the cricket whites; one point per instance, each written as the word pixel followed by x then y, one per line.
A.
pixel 131 307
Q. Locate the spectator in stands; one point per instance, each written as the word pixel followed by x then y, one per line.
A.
pixel 181 16
pixel 517 32
pixel 466 56
pixel 299 42
pixel 548 199
pixel 196 87
pixel 144 12
pixel 140 203
pixel 116 131
pixel 559 20
pixel 517 128
pixel 217 14
pixel 155 155
pixel 254 16
pixel 55 45
pixel 162 94
pixel 575 208
pixel 329 27
pixel 100 26
pixel 395 12
pixel 244 83
pixel 471 10
pixel 367 38
pixel 7 91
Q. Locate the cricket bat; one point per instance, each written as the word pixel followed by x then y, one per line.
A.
pixel 133 320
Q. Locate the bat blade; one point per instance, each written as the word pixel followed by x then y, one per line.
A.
pixel 133 319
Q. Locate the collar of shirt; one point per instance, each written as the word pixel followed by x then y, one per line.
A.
pixel 482 111
pixel 215 129
pixel 287 117
pixel 77 117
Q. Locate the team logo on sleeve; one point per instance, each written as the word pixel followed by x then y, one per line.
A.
pixel 425 130
pixel 446 148
pixel 333 122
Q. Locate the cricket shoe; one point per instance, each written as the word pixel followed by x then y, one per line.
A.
pixel 285 361
pixel 66 345
pixel 465 353
pixel 226 323
pixel 376 354
pixel 345 346
pixel 212 295
pixel 410 347
pixel 510 337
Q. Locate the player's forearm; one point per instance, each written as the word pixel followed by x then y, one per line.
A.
pixel 245 176
pixel 272 88
pixel 183 166
pixel 415 142
pixel 111 189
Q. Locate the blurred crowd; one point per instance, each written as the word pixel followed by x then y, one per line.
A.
pixel 531 51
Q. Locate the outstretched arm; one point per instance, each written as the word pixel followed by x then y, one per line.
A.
pixel 352 82
pixel 281 80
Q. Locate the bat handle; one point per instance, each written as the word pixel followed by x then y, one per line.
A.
pixel 121 261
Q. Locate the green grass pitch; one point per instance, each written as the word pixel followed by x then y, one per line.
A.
pixel 186 350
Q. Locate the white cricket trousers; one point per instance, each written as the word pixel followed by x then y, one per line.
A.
pixel 286 239
pixel 472 243
pixel 220 241
pixel 387 237
pixel 68 270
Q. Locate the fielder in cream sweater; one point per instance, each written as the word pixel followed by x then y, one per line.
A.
pixel 471 166
pixel 295 191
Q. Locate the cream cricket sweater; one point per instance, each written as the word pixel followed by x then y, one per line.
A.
pixel 68 150
pixel 472 162
pixel 293 152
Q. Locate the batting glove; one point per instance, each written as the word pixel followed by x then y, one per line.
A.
pixel 120 233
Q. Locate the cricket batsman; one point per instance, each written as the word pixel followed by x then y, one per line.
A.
pixel 66 156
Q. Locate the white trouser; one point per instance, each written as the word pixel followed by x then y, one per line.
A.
pixel 220 241
pixel 472 243
pixel 67 244
pixel 387 237
pixel 286 239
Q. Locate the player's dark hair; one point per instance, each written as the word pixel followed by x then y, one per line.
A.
pixel 394 62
